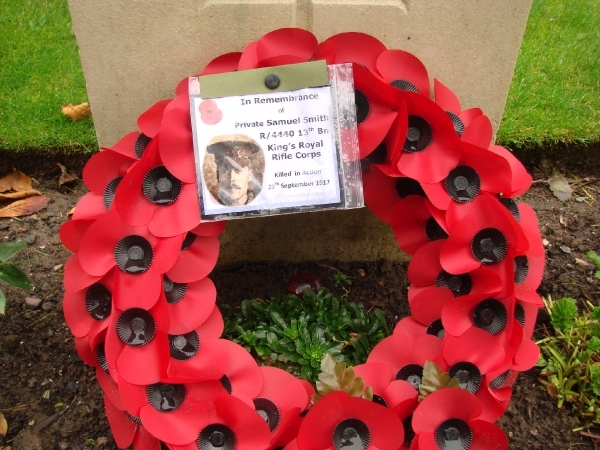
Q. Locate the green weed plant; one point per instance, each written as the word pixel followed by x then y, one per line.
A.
pixel 570 359
pixel 9 273
pixel 294 333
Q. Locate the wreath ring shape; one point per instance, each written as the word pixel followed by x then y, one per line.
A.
pixel 142 309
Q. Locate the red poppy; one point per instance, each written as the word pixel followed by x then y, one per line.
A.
pixel 91 205
pixel 198 256
pixel 88 311
pixel 425 270
pixel 105 169
pixel 359 48
pixel 405 357
pixel 471 125
pixel 477 171
pixel 415 224
pixel 285 46
pixel 150 195
pixel 243 378
pixel 529 266
pixel 450 417
pixel 411 328
pixel 528 352
pixel 384 195
pixel 128 430
pixel 338 420
pixel 398 395
pixel 471 357
pixel 248 58
pixel 131 145
pixel 485 236
pixel 173 412
pixel 72 231
pixel 404 71
pixel 189 304
pixel 140 257
pixel 210 114
pixel 520 180
pixel 176 145
pixel 375 104
pixel 231 424
pixel 227 62
pixel 149 121
pixel 199 355
pixel 280 402
pixel 430 148
pixel 75 277
pixel 482 311
pixel 137 345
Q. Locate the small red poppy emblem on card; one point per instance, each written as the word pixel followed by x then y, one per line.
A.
pixel 210 113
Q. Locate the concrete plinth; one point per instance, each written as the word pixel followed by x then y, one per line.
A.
pixel 134 53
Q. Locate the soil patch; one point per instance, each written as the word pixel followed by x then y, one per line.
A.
pixel 52 401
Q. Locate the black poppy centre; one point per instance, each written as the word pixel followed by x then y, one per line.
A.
pixel 468 376
pixel 109 192
pixel 433 230
pixel 407 186
pixel 98 302
pixel 174 292
pixel 454 434
pixel 490 315
pixel 412 373
pixel 457 123
pixel 184 346
pixel 351 434
pixel 160 187
pixel 268 410
pixel 458 284
pixel 463 184
pixel 136 327
pixel 489 246
pixel 165 397
pixel 133 254
pixel 216 437
pixel 418 136
pixel 436 328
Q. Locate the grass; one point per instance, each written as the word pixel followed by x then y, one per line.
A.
pixel 40 73
pixel 553 97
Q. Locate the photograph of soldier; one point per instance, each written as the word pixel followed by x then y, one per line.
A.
pixel 233 169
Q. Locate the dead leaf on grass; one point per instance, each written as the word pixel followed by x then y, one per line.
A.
pixel 65 177
pixel 77 112
pixel 560 186
pixel 25 207
pixel 3 425
pixel 15 181
pixel 19 194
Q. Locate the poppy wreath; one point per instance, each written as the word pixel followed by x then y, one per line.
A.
pixel 141 307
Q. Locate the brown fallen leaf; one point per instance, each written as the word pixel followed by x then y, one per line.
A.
pixel 65 177
pixel 3 425
pixel 71 212
pixel 15 181
pixel 18 194
pixel 25 207
pixel 560 186
pixel 77 112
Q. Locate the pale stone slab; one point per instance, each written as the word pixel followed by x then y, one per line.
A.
pixel 134 53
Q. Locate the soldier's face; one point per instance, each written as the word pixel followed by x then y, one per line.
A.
pixel 233 184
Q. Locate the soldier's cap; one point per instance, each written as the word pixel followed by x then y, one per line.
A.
pixel 234 146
